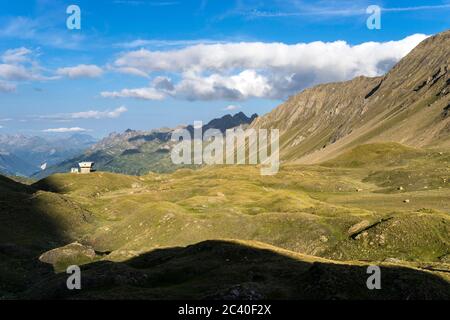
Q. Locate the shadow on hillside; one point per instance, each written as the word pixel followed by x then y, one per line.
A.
pixel 26 230
pixel 49 185
pixel 233 271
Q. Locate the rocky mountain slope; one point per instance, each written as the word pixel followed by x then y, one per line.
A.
pixel 410 105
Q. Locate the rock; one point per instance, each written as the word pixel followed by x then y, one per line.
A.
pixel 358 227
pixel 381 239
pixel 323 238
pixel 406 201
pixel 400 188
pixel 73 253
pixel 359 190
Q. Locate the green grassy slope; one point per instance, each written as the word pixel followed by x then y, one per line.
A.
pixel 349 209
pixel 306 209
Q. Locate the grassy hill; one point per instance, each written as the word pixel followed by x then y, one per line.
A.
pixel 336 217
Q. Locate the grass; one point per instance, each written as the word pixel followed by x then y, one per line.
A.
pixel 306 209
pixel 341 210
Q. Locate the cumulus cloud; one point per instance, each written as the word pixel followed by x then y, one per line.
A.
pixel 65 130
pixel 258 70
pixel 258 55
pixel 81 71
pixel 163 83
pixel 246 84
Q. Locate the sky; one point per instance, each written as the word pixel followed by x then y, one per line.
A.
pixel 144 64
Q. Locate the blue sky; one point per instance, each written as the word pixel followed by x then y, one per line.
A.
pixel 145 64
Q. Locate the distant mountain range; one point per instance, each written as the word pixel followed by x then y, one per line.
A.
pixel 138 152
pixel 22 155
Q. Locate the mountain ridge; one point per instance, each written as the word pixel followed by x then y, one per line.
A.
pixel 138 152
pixel 406 105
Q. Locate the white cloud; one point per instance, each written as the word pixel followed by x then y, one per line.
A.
pixel 140 93
pixel 14 56
pixel 258 55
pixel 131 71
pixel 64 130
pixel 18 65
pixel 99 114
pixel 246 84
pixel 15 72
pixel 81 71
pixel 231 107
pixel 91 114
pixel 245 70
